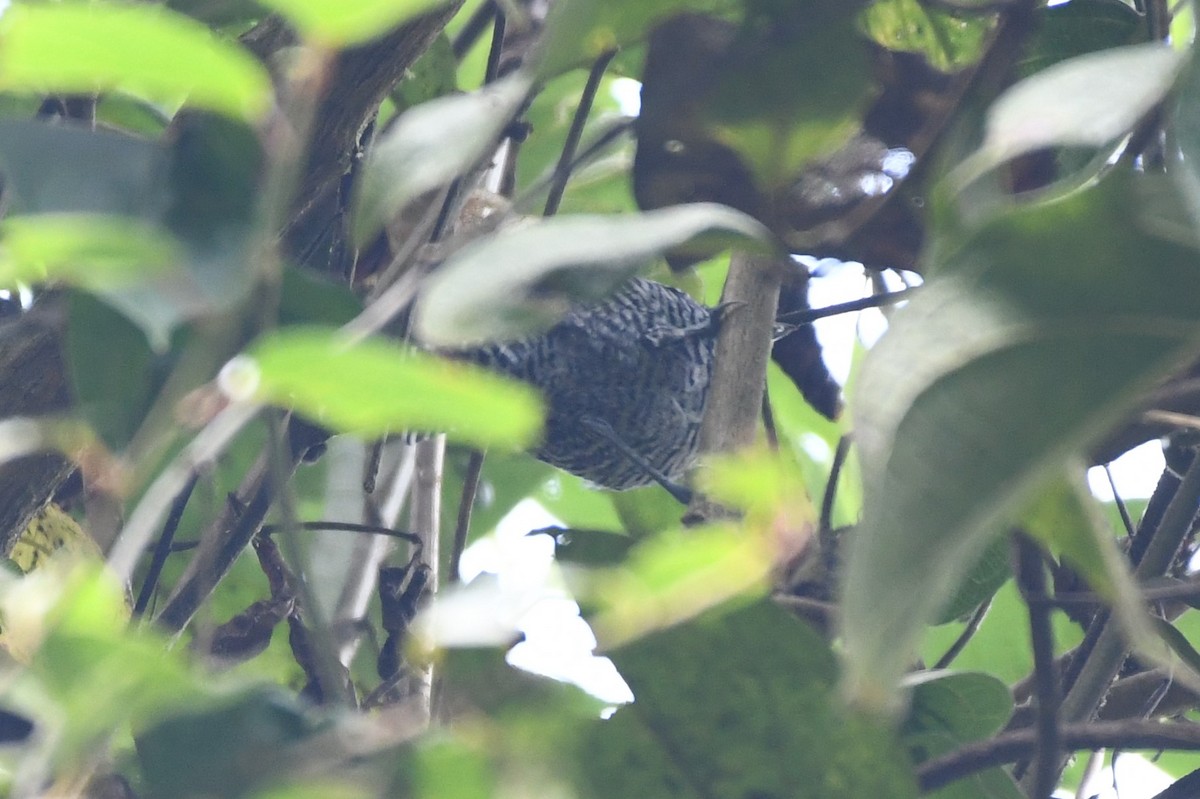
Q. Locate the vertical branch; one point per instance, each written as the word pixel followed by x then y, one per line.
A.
pixel 739 377
pixel 426 514
pixel 1031 579
pixel 465 503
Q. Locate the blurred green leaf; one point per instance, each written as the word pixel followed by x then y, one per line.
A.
pixel 675 576
pixel 90 675
pixel 85 249
pixel 949 43
pixel 142 50
pixel 307 298
pixel 347 22
pixel 431 144
pixel 433 75
pixel 1081 26
pixel 1061 519
pixel 949 709
pixel 579 31
pixel 524 279
pixel 1041 329
pixel 982 582
pixel 448 767
pixel 1087 101
pixel 373 388
pixel 224 748
pixel 69 168
pixel 738 704
pixel 112 369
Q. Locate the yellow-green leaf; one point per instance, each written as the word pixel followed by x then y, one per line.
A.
pixel 375 387
pixel 92 250
pixel 347 21
pixel 142 50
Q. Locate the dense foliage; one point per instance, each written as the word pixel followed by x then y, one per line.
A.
pixel 240 237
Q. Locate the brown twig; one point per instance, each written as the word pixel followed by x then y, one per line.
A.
pixel 1031 579
pixel 1009 747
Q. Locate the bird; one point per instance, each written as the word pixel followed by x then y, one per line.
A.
pixel 625 381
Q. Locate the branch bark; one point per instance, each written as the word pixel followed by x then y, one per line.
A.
pixel 734 403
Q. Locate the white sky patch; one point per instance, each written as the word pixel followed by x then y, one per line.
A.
pixel 558 642
pixel 626 91
pixel 1135 473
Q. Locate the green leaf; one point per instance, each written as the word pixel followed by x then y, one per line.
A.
pixel 523 279
pixel 950 709
pixel 1039 331
pixel 676 575
pixel 983 580
pixel 737 705
pixel 85 249
pixel 347 22
pixel 60 168
pixel 205 751
pixel 579 31
pixel 1078 27
pixel 111 367
pixel 949 43
pixel 374 387
pixel 1087 101
pixel 141 50
pixel 431 144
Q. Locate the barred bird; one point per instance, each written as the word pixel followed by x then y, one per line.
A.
pixel 624 381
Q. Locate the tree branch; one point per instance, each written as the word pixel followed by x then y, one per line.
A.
pixel 740 364
pixel 1009 747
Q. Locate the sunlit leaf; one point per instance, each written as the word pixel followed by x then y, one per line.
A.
pixel 948 42
pixel 88 250
pixel 675 576
pixel 347 21
pixel 1040 331
pixel 374 387
pixel 142 50
pixel 430 145
pixel 524 279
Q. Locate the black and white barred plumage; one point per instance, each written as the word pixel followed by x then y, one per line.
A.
pixel 638 363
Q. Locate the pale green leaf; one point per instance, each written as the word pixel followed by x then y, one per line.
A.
pixel 375 387
pixel 337 23
pixel 141 50
pixel 1087 101
pixel 1041 332
pixel 430 145
pixel 89 250
pixel 523 279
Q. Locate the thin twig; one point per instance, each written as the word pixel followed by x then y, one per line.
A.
pixel 492 70
pixel 825 526
pixel 1126 519
pixel 964 638
pixel 163 549
pixel 806 316
pixel 466 502
pixel 562 171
